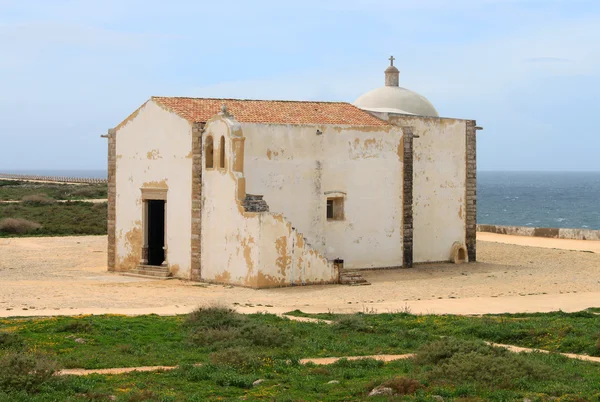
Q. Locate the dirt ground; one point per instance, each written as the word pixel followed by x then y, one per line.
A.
pixel 67 275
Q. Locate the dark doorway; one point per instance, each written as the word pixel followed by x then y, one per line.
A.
pixel 156 232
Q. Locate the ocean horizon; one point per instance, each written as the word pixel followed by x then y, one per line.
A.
pixel 528 198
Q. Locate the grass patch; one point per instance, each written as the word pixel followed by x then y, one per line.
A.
pixel 17 190
pixel 55 219
pixel 237 350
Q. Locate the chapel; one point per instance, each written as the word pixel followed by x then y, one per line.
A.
pixel 268 193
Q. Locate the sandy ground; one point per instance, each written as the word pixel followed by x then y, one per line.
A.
pixel 563 244
pixel 66 275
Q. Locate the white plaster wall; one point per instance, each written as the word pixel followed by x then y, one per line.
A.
pixel 439 205
pixel 154 149
pixel 293 168
pixel 250 249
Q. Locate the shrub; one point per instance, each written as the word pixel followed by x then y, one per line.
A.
pixel 265 335
pixel 352 323
pixel 214 317
pixel 21 372
pixel 76 326
pixel 458 361
pixel 403 385
pixel 232 379
pixel 238 357
pixel 143 395
pixel 9 340
pixel 38 199
pixel 18 226
pixel 212 337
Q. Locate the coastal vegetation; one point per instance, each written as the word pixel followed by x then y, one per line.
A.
pixel 14 190
pixel 52 219
pixel 222 355
pixel 51 209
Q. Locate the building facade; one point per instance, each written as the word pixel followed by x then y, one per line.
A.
pixel 279 193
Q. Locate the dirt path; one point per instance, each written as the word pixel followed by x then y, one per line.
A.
pixel 562 244
pixel 67 276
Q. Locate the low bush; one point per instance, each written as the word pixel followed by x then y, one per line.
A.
pixel 238 358
pixel 10 341
pixel 403 385
pixel 265 335
pixel 21 372
pixel 38 199
pixel 214 337
pixel 214 317
pixel 232 379
pixel 469 362
pixel 352 323
pixel 76 326
pixel 18 226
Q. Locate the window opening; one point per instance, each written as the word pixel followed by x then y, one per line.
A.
pixel 222 150
pixel 335 209
pixel 210 150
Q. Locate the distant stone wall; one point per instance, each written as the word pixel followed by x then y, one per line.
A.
pixel 56 179
pixel 554 233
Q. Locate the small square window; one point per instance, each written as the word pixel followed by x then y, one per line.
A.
pixel 335 209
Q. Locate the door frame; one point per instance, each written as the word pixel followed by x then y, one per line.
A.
pixel 148 194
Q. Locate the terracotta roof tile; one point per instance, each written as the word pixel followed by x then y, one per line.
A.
pixel 269 111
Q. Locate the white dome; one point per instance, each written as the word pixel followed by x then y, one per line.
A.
pixel 396 100
pixel 392 98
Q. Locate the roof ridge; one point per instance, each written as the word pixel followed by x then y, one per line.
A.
pixel 252 100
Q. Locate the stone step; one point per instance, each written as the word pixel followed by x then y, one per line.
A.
pixel 150 273
pixel 352 278
pixel 156 278
pixel 153 268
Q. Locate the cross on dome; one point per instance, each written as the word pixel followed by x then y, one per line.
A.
pixel 391 59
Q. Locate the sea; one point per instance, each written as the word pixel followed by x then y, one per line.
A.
pixel 536 199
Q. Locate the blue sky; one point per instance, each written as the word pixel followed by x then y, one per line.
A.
pixel 527 71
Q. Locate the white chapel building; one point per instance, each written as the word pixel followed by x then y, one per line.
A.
pixel 262 193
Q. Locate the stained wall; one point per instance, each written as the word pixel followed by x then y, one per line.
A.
pixel 247 248
pixel 153 150
pixel 297 167
pixel 439 166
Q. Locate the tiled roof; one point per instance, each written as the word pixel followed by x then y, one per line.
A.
pixel 267 111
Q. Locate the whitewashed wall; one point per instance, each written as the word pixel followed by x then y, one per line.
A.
pixel 154 149
pixel 439 208
pixel 294 168
pixel 245 248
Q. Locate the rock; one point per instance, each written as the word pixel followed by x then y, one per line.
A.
pixel 438 398
pixel 80 340
pixel 257 382
pixel 380 390
pixel 333 382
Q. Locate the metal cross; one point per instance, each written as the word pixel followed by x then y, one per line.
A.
pixel 392 60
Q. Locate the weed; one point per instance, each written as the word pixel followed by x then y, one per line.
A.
pixel 21 372
pixel 18 226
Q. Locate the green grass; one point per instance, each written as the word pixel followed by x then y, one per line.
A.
pixel 16 190
pixel 236 350
pixel 59 219
pixel 557 331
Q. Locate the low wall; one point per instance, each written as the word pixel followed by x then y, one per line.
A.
pixel 554 233
pixel 55 179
